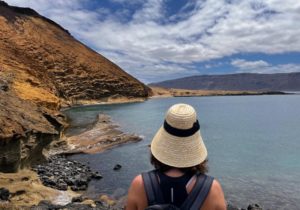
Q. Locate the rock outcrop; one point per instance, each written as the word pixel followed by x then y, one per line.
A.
pixel 42 68
pixel 60 173
pixel 85 205
pixel 25 130
pixel 103 135
pixel 250 207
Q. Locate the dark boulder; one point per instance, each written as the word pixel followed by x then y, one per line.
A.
pixel 71 181
pixel 79 187
pixel 48 182
pixel 46 205
pixel 4 194
pixel 232 207
pixel 3 87
pixel 117 167
pixel 78 199
pixel 254 207
pixel 96 175
pixel 62 186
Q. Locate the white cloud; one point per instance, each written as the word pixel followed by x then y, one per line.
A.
pixel 261 66
pixel 211 30
pixel 249 65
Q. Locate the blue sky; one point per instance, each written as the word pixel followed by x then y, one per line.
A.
pixel 156 40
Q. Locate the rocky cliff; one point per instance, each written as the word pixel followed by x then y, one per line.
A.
pixel 42 67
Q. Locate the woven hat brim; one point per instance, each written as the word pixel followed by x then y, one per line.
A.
pixel 180 152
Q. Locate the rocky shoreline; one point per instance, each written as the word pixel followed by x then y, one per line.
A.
pixel 63 174
pixel 103 135
pixel 84 205
pixel 250 207
pixel 60 173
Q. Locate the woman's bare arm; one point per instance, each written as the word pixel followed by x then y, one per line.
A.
pixel 137 199
pixel 215 199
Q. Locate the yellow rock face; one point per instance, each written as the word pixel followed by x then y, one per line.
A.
pixel 26 188
pixel 91 203
pixel 109 201
pixel 39 95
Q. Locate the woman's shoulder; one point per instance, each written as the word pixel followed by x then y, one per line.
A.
pixel 137 182
pixel 215 198
pixel 216 189
pixel 136 195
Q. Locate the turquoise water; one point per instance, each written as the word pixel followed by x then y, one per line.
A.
pixel 253 144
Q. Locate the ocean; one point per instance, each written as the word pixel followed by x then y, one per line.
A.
pixel 253 145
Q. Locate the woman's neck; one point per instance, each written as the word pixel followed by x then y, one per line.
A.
pixel 174 172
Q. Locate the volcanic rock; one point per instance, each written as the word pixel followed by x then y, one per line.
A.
pixel 254 207
pixel 4 194
pixel 61 173
pixel 117 167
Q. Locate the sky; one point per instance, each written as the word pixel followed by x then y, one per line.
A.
pixel 156 40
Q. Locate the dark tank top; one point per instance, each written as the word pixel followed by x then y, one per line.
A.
pixel 174 188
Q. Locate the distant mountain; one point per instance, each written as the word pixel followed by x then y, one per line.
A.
pixel 244 81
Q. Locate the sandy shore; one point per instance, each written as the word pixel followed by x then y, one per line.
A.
pixel 159 92
pixel 104 101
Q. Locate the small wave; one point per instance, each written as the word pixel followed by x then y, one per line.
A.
pixel 63 198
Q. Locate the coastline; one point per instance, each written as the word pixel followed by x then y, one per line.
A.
pixel 104 101
pixel 159 92
pixel 26 188
pixel 109 136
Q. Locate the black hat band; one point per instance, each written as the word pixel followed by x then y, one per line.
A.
pixel 182 132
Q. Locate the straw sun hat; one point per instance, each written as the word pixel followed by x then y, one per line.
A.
pixel 178 142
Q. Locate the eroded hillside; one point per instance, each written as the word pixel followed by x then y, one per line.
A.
pixel 43 67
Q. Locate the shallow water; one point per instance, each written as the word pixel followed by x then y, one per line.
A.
pixel 253 144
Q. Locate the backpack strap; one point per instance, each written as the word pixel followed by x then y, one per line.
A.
pixel 197 196
pixel 152 188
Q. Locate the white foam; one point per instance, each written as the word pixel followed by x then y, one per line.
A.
pixel 63 198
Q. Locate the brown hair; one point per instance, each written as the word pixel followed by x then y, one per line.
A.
pixel 201 168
